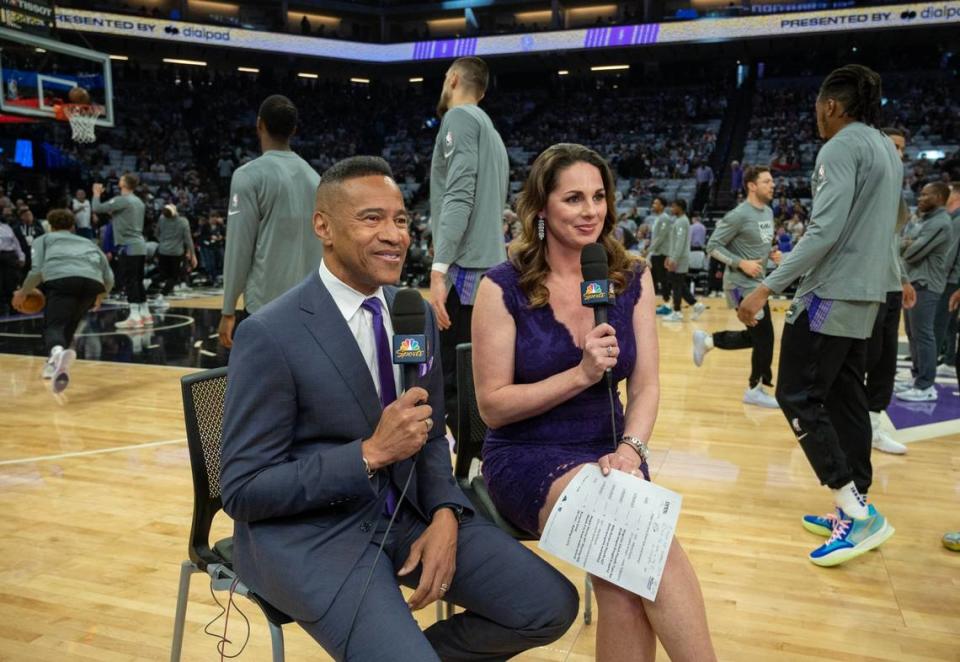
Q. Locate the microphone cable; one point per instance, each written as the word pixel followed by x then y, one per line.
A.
pixel 376 558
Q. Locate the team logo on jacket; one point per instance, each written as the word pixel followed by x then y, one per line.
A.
pixel 448 145
pixel 819 179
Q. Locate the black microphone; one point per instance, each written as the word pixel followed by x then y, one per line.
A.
pixel 409 334
pixel 595 288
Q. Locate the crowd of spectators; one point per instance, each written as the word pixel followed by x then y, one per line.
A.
pixel 186 131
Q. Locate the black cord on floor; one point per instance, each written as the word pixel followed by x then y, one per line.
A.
pixel 222 640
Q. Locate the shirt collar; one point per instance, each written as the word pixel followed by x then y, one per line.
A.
pixel 348 300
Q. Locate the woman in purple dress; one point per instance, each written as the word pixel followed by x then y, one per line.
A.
pixel 539 364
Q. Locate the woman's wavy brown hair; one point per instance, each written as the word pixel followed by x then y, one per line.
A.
pixel 528 253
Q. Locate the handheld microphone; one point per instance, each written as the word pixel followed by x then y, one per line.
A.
pixel 595 292
pixel 595 288
pixel 409 336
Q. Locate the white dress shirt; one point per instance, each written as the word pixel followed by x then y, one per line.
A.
pixel 360 321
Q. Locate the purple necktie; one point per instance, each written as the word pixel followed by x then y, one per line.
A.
pixel 388 388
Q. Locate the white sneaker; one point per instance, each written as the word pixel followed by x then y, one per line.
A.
pixel 759 397
pixel 61 366
pixel 48 369
pixel 944 370
pixel 701 345
pixel 161 303
pixel 698 309
pixel 675 316
pixel 918 395
pixel 147 320
pixel 900 387
pixel 130 323
pixel 885 444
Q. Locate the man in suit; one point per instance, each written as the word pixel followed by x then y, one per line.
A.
pixel 469 175
pixel 318 448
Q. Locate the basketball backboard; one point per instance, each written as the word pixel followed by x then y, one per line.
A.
pixel 37 74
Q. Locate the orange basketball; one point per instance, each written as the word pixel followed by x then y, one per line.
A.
pixel 33 303
pixel 78 95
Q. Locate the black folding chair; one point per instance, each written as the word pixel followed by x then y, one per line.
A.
pixel 470 434
pixel 203 400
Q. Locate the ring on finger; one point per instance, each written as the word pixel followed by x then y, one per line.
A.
pixel 609 351
pixel 444 588
pixel 429 422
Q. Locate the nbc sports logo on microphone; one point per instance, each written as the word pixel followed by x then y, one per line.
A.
pixel 409 349
pixel 409 345
pixel 593 292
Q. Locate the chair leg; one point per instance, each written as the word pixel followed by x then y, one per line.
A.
pixel 439 610
pixel 587 600
pixel 276 641
pixel 187 568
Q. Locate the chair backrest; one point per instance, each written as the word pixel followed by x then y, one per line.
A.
pixel 204 394
pixel 471 429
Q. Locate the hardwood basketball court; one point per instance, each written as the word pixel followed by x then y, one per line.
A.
pixel 97 499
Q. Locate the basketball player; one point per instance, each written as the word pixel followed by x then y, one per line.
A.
pixel 925 249
pixel 75 276
pixel 885 338
pixel 126 214
pixel 843 258
pixel 468 190
pixel 659 241
pixel 742 241
pixel 175 242
pixel 270 242
pixel 677 263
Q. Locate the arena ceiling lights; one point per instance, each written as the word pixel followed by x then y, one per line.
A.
pixel 191 63
pixel 610 67
pixel 847 20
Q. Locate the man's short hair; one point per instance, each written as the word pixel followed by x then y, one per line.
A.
pixel 680 202
pixel 474 72
pixel 940 189
pixel 351 168
pixel 752 173
pixel 131 180
pixel 279 116
pixel 663 200
pixel 894 131
pixel 60 219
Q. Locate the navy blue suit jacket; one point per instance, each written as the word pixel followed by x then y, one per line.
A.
pixel 300 399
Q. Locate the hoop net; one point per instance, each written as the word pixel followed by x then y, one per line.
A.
pixel 83 120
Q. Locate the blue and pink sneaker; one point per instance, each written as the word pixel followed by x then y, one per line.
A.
pixel 851 538
pixel 822 525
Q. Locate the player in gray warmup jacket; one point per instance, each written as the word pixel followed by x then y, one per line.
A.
pixel 75 276
pixel 925 250
pixel 843 259
pixel 742 241
pixel 270 245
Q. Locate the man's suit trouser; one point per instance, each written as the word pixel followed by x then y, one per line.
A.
pixel 513 600
pixel 461 317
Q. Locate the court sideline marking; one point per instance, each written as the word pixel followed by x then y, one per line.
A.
pixel 115 449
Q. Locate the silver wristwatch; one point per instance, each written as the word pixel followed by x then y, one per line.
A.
pixel 639 446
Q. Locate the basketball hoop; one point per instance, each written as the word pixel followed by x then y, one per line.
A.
pixel 83 120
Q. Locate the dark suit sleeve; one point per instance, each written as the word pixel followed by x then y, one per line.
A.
pixel 435 482
pixel 260 477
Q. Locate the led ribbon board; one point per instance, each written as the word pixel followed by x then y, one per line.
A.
pixel 621 36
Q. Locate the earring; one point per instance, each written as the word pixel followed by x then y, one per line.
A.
pixel 540 228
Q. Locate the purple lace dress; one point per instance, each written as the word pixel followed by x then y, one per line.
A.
pixel 521 460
